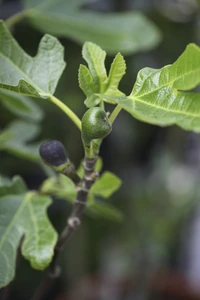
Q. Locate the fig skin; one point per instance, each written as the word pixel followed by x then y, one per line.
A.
pixel 95 125
pixel 53 153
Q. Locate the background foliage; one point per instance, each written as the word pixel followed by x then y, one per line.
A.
pixel 159 167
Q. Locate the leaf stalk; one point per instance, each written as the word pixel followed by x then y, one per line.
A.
pixel 114 114
pixel 10 22
pixel 66 110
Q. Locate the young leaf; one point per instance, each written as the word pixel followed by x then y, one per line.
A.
pixel 106 185
pixel 50 186
pixel 61 186
pixel 117 71
pixel 15 137
pixel 127 32
pixel 85 80
pixel 95 57
pixel 94 82
pixel 64 188
pixel 161 96
pixel 21 106
pixel 20 73
pixel 25 216
pixel 87 85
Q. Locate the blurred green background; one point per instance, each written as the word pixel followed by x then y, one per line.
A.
pixel 154 252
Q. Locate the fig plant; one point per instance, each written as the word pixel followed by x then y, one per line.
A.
pixel 159 96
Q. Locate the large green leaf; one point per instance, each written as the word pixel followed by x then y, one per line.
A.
pixel 26 75
pixel 15 139
pixel 25 216
pixel 21 106
pixel 162 96
pixel 127 32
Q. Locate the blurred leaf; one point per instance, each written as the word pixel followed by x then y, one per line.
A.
pixel 14 187
pixel 61 186
pixel 106 185
pixel 4 180
pixel 15 138
pixel 20 73
pixel 21 106
pixel 25 215
pixel 103 210
pixel 40 4
pixel 50 186
pixel 127 32
pixel 161 96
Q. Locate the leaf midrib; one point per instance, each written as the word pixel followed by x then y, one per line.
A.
pixel 165 109
pixel 118 58
pixel 169 84
pixel 35 226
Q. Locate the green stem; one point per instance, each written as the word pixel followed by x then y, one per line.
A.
pixel 10 22
pixel 114 113
pixel 66 110
pixel 102 105
pixel 88 151
pixel 92 150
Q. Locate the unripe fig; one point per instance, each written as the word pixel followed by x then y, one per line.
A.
pixel 95 125
pixel 53 153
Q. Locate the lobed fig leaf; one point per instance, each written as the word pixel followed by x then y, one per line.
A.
pixel 23 218
pixel 163 96
pixel 32 76
pixel 15 140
